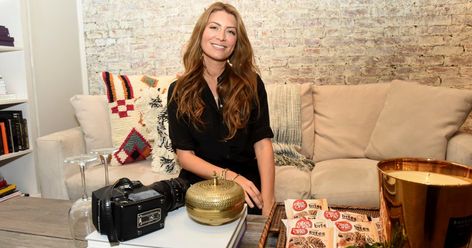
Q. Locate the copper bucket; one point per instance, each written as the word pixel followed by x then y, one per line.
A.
pixel 425 203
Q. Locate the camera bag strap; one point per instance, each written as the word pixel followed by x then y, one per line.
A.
pixel 107 209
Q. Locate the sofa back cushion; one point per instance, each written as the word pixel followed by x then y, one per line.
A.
pixel 91 112
pixel 308 125
pixel 418 120
pixel 344 117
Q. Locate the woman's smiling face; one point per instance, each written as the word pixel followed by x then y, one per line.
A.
pixel 219 37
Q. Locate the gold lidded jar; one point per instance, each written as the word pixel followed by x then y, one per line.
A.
pixel 215 201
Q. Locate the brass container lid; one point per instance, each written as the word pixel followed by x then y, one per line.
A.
pixel 215 201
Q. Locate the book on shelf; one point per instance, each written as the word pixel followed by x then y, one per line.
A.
pixel 10 195
pixel 3 182
pixel 24 134
pixel 4 141
pixel 16 130
pixel 8 135
pixel 5 39
pixel 181 231
pixel 7 189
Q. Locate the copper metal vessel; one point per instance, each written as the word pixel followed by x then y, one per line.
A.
pixel 215 201
pixel 416 214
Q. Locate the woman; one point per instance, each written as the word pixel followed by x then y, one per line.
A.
pixel 218 113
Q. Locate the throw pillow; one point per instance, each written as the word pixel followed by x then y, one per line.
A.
pixel 345 116
pixel 153 105
pixel 127 130
pixel 418 120
pixel 91 112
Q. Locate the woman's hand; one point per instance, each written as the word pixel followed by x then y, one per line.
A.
pixel 252 195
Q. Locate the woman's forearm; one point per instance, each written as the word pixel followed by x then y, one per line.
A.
pixel 191 162
pixel 265 162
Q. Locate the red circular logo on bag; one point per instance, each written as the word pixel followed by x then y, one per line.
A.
pixel 299 231
pixel 343 226
pixel 299 205
pixel 303 223
pixel 332 215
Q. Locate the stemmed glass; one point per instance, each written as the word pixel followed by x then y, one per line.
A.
pixel 105 155
pixel 80 214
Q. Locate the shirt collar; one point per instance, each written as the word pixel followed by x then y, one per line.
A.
pixel 224 75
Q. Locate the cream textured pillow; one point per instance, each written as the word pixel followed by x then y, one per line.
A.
pixel 153 105
pixel 344 118
pixel 92 113
pixel 418 120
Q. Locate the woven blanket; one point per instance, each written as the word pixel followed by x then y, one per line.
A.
pixel 287 155
pixel 284 110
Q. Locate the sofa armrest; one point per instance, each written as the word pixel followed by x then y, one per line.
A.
pixel 52 150
pixel 459 148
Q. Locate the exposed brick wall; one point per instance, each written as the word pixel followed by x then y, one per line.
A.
pixel 323 41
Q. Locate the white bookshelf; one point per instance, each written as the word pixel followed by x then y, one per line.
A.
pixel 9 49
pixel 16 70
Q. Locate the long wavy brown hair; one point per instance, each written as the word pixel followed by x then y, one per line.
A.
pixel 239 92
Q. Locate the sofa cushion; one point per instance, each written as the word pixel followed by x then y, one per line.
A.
pixel 291 183
pixel 418 120
pixel 95 177
pixel 91 112
pixel 153 105
pixel 346 182
pixel 344 118
pixel 128 134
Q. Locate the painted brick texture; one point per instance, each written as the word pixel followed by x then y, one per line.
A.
pixel 321 42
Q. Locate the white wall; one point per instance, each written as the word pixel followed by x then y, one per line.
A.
pixel 57 64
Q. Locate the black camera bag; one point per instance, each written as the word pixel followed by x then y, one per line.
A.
pixel 126 210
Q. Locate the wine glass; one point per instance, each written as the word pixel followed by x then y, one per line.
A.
pixel 105 155
pixel 80 213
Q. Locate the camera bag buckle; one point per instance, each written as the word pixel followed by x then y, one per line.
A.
pixel 148 217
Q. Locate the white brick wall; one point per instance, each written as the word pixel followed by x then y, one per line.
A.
pixel 321 41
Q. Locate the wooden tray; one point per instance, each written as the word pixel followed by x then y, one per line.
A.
pixel 274 222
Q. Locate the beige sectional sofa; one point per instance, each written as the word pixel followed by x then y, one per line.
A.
pixel 344 129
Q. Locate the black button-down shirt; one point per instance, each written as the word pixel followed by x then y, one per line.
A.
pixel 236 154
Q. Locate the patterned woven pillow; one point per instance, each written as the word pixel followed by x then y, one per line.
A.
pixel 152 104
pixel 127 128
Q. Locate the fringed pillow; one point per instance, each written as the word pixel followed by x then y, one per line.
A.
pixel 153 105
